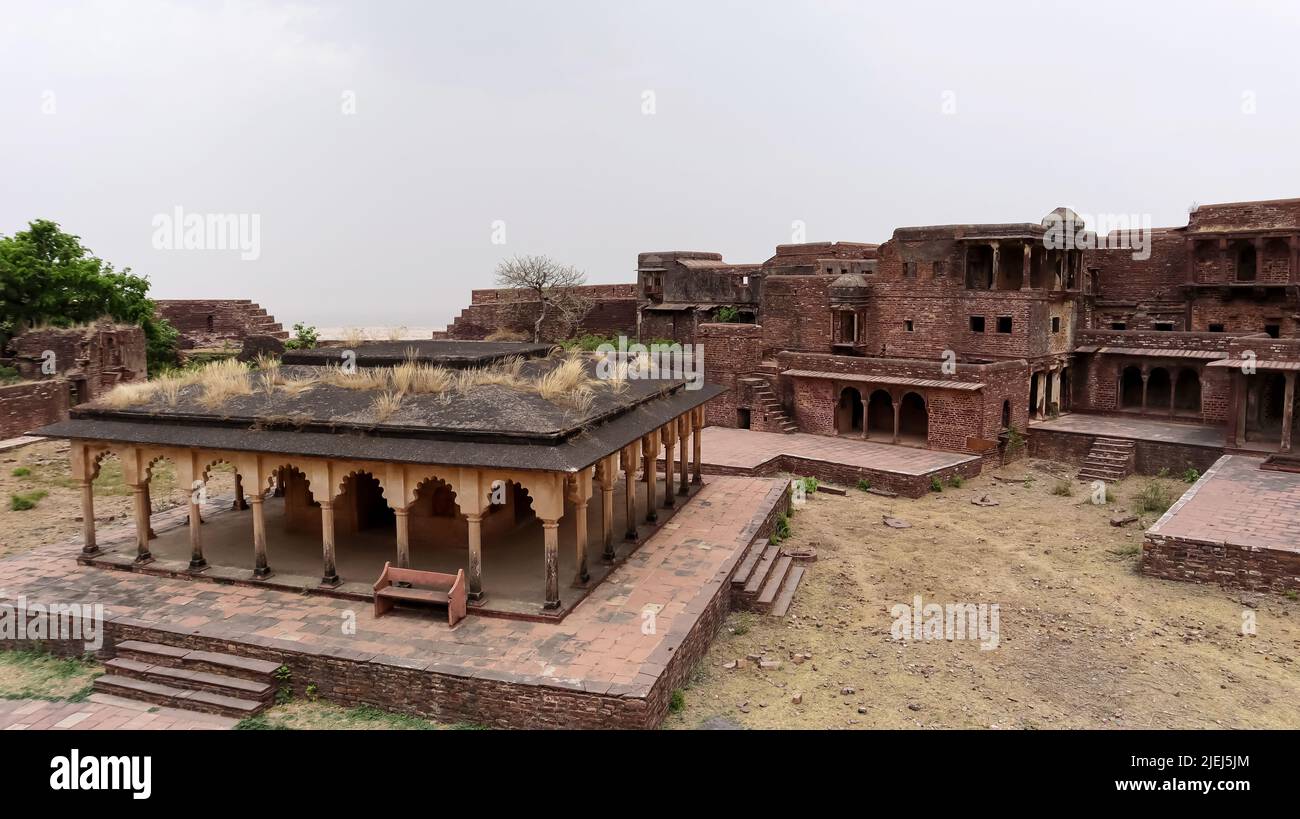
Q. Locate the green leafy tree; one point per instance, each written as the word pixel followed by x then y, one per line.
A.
pixel 47 276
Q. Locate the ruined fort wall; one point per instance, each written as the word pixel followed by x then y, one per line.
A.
pixel 204 323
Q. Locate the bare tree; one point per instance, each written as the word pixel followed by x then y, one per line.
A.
pixel 553 285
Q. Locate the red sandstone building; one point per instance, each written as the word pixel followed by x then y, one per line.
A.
pixel 950 337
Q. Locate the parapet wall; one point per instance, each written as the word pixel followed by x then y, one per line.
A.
pixel 613 312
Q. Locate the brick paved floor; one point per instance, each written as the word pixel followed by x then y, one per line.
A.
pixel 1238 503
pixel 1139 429
pixel 600 647
pixel 747 449
pixel 103 713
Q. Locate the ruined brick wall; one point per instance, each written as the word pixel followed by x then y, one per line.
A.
pixel 1243 315
pixel 97 357
pixel 28 406
pixel 1129 286
pixel 796 313
pixel 731 352
pixel 613 312
pixel 204 323
pixel 1267 570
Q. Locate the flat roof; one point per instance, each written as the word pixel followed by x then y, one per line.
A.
pixel 445 352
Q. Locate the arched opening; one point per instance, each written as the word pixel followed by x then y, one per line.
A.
pixel 880 415
pixel 1187 393
pixel 1159 390
pixel 1033 395
pixel 913 420
pixel 1130 391
pixel 848 413
pixel 1006 415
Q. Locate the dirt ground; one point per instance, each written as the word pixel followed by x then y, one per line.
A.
pixel 43 467
pixel 1085 641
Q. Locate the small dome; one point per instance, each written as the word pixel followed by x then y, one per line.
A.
pixel 850 286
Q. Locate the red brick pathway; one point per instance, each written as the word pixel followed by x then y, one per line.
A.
pixel 102 713
pixel 1237 503
pixel 602 647
pixel 747 449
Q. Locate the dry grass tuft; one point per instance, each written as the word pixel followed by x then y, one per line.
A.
pixel 221 381
pixel 397 333
pixel 130 394
pixel 563 379
pixel 361 378
pixel 297 386
pixel 385 404
pixel 506 334
pixel 353 336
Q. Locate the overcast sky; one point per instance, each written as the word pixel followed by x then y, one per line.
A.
pixel 378 142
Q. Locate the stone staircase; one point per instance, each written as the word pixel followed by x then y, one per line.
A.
pixel 191 680
pixel 774 417
pixel 1109 460
pixel 766 579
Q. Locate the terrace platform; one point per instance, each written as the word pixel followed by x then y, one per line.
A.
pixel 613 662
pixel 1157 444
pixel 1135 429
pixel 904 469
pixel 1239 525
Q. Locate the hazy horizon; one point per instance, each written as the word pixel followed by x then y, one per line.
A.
pixel 383 147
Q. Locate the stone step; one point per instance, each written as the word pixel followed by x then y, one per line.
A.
pixel 161 694
pixel 783 600
pixel 756 577
pixel 775 579
pixel 1088 475
pixel 747 564
pixel 193 660
pixel 193 680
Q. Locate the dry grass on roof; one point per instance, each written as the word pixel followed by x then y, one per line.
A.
pixel 568 383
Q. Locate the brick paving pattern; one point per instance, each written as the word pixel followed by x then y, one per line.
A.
pixel 1239 504
pixel 102 713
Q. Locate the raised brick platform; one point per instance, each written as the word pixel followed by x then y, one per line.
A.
pixel 613 662
pixel 902 469
pixel 1157 445
pixel 1238 526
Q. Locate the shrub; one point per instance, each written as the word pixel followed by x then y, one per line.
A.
pixel 8 375
pixel 304 337
pixel 955 481
pixel 809 485
pixel 1154 497
pixel 936 485
pixel 1191 475
pixel 21 502
pixel 727 314
pixel 864 484
pixel 1063 488
pixel 21 472
pixel 677 702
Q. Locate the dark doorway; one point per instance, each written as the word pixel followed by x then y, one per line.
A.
pixel 848 414
pixel 1159 390
pixel 880 415
pixel 742 418
pixel 913 420
pixel 1130 394
pixel 1187 393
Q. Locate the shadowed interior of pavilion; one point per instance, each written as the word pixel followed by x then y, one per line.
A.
pixel 366 538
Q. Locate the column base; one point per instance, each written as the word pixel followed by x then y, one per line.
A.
pixel 198 565
pixel 697 480
pixel 475 597
pixel 331 581
pixel 89 551
pixel 581 581
pixel 239 506
pixel 684 491
pixel 609 557
pixel 143 558
pixel 652 518
pixel 551 605
pixel 263 573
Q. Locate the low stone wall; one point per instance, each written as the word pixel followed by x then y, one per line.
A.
pixel 28 406
pixel 1270 570
pixel 613 312
pixel 1152 456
